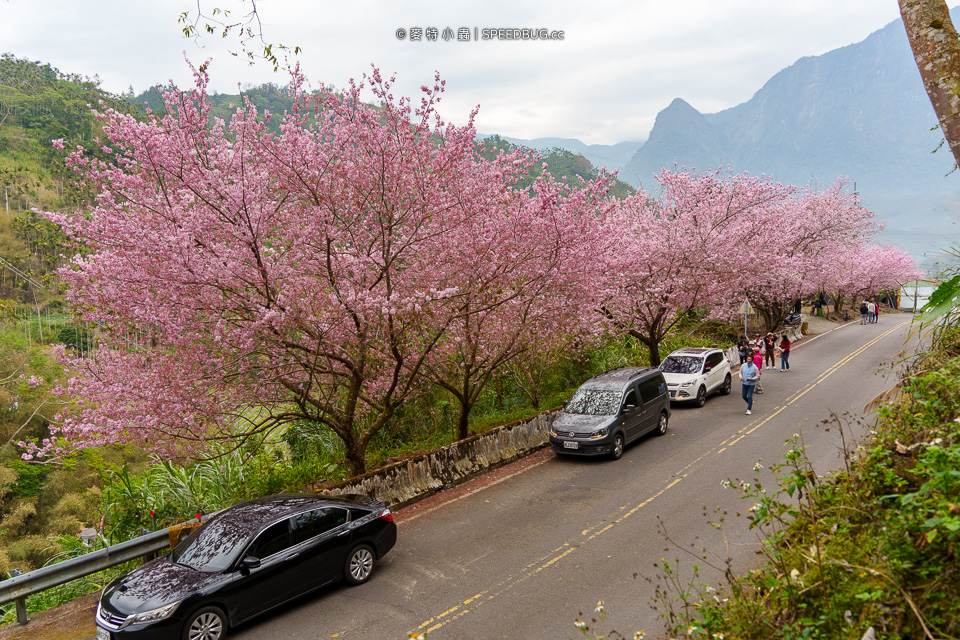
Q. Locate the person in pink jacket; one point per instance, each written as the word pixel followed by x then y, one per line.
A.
pixel 758 360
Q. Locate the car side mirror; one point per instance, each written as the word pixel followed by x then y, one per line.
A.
pixel 629 409
pixel 707 369
pixel 249 563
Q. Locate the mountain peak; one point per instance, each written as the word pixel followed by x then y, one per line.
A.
pixel 858 112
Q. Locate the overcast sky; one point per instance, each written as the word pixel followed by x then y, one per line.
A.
pixel 619 62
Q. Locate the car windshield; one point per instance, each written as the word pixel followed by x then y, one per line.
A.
pixel 593 402
pixel 681 364
pixel 212 547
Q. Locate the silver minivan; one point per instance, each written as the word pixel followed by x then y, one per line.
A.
pixel 611 410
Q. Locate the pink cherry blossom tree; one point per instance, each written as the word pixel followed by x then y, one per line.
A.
pixel 795 247
pixel 869 269
pixel 670 255
pixel 247 281
pixel 523 276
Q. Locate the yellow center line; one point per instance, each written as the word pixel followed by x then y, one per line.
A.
pixel 553 557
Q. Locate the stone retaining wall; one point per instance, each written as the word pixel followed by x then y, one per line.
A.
pixel 408 481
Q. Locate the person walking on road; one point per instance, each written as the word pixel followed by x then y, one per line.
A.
pixel 871 310
pixel 785 353
pixel 863 312
pixel 749 376
pixel 769 350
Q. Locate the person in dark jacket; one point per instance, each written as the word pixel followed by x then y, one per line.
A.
pixel 863 312
pixel 769 350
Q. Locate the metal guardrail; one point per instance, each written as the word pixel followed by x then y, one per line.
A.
pixel 18 588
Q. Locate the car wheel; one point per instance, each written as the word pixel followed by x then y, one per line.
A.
pixel 727 385
pixel 359 566
pixel 701 396
pixel 208 623
pixel 662 427
pixel 616 452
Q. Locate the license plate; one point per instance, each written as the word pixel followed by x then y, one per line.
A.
pixel 102 634
pixel 567 444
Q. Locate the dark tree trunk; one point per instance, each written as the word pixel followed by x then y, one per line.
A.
pixel 355 452
pixel 463 420
pixel 652 344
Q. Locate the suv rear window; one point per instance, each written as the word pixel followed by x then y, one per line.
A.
pixel 714 359
pixel 681 364
pixel 593 402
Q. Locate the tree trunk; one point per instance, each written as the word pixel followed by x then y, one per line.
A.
pixel 651 343
pixel 498 393
pixel 936 49
pixel 463 423
pixel 355 452
pixel 838 303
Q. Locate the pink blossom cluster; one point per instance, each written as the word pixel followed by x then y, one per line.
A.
pixel 244 279
pixel 712 240
pixel 32 382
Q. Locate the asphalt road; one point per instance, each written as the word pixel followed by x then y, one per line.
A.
pixel 520 554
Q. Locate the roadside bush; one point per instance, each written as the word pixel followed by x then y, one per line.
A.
pixel 28 553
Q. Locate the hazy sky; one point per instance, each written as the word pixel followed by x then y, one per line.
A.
pixel 618 64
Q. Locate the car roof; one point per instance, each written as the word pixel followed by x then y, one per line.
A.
pixel 693 351
pixel 254 514
pixel 617 379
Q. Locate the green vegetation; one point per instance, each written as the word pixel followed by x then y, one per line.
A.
pixel 569 167
pixel 874 547
pixel 43 507
pixel 266 97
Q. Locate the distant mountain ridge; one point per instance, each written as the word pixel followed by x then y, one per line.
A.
pixel 859 111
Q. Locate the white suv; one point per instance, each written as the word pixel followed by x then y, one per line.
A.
pixel 693 374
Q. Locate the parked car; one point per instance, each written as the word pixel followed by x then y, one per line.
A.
pixel 244 561
pixel 693 374
pixel 611 410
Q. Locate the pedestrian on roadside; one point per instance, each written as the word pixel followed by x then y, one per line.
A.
pixel 785 353
pixel 749 378
pixel 871 309
pixel 758 363
pixel 769 350
pixel 742 346
pixel 863 312
pixel 876 315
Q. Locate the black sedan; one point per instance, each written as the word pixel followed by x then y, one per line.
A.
pixel 245 561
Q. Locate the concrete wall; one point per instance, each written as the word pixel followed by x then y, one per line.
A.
pixel 408 481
